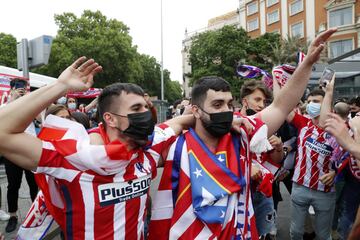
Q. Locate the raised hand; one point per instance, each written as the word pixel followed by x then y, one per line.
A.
pixel 337 127
pixel 330 87
pixel 79 76
pixel 318 44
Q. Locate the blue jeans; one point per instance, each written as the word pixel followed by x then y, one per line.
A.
pixel 350 204
pixel 264 213
pixel 324 206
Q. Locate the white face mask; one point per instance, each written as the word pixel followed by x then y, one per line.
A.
pixel 61 101
pixel 313 109
pixel 72 106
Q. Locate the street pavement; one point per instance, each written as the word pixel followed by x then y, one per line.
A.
pixel 24 203
pixel 283 219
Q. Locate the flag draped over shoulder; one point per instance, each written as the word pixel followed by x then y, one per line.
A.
pixel 213 177
pixel 72 141
pixel 205 195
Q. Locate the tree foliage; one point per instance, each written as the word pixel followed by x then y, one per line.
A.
pixel 218 53
pixel 8 50
pixel 285 50
pixel 151 79
pixel 94 36
pixel 109 43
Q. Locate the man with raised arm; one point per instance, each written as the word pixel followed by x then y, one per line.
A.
pixel 100 190
pixel 204 191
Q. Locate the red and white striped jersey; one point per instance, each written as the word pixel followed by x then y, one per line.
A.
pixel 173 212
pixel 314 156
pixel 99 206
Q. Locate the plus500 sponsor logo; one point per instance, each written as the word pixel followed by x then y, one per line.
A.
pixel 113 193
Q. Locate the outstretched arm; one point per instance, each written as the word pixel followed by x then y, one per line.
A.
pixel 290 95
pixel 21 148
pixel 326 105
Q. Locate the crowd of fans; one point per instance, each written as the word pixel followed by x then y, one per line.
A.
pixel 313 152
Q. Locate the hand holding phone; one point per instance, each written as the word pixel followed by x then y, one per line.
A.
pixel 326 77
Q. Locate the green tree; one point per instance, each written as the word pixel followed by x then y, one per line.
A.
pixel 109 43
pixel 260 51
pixel 93 35
pixel 285 51
pixel 8 50
pixel 151 79
pixel 218 53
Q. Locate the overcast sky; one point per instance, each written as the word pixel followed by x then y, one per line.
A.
pixel 30 19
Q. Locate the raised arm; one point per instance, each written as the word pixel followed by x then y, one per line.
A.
pixel 21 148
pixel 91 105
pixel 291 93
pixel 326 105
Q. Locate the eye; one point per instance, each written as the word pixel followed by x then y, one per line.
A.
pixel 217 105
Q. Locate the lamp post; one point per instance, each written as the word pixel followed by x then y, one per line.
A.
pixel 162 55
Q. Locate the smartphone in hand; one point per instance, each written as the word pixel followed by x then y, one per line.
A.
pixel 326 77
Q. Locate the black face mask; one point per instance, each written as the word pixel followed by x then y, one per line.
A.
pixel 250 112
pixel 219 124
pixel 141 125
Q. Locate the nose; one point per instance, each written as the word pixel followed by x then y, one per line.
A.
pixel 261 105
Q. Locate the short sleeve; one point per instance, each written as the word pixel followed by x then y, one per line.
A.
pixel 299 121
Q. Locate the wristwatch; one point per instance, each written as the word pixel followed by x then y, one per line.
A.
pixel 286 151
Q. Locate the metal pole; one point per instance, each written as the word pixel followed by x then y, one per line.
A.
pixel 25 58
pixel 162 55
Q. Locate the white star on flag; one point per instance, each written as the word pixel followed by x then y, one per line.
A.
pixel 222 214
pixel 198 173
pixel 221 159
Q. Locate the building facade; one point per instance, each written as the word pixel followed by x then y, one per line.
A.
pixel 230 18
pixel 303 18
pixel 306 19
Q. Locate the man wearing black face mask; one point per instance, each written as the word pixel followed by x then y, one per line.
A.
pixel 103 186
pixel 204 192
pixel 208 150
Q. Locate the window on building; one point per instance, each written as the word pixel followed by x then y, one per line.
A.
pixel 277 31
pixel 253 24
pixel 338 48
pixel 252 8
pixel 341 17
pixel 296 7
pixel 273 17
pixel 297 30
pixel 271 2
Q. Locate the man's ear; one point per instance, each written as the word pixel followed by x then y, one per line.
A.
pixel 110 120
pixel 195 111
pixel 244 103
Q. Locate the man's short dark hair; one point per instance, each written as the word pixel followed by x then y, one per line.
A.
pixel 200 88
pixel 111 92
pixel 316 92
pixel 355 101
pixel 176 102
pixel 15 81
pixel 250 86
